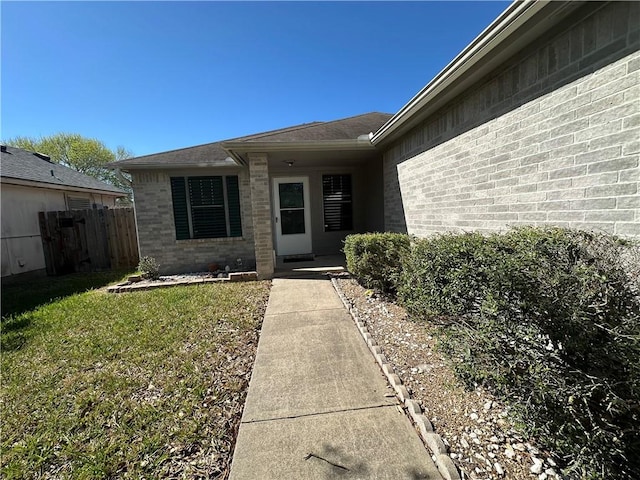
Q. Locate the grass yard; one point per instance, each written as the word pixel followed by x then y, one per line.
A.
pixel 25 296
pixel 137 385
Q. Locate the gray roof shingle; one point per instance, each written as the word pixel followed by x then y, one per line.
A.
pixel 344 129
pixel 209 155
pixel 214 155
pixel 25 165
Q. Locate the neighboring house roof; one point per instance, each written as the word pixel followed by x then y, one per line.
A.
pixel 25 167
pixel 517 26
pixel 219 154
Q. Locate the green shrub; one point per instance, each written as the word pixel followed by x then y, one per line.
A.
pixel 444 275
pixel 549 318
pixel 375 258
pixel 149 268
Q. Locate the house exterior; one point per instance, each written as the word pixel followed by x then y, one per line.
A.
pixel 214 203
pixel 30 183
pixel 535 122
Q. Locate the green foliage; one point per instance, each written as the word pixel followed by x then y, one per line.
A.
pixel 86 155
pixel 149 268
pixel 375 258
pixel 549 318
pixel 448 273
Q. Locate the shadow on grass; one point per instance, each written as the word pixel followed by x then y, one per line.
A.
pixel 21 298
pixel 13 335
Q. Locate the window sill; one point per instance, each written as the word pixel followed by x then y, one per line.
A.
pixel 197 241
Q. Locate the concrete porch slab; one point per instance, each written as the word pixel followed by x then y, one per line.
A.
pixel 321 264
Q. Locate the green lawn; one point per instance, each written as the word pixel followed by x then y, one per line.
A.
pixel 137 385
pixel 25 296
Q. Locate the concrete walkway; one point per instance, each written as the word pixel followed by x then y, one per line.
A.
pixel 318 405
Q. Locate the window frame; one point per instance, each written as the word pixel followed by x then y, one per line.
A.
pixel 186 189
pixel 343 202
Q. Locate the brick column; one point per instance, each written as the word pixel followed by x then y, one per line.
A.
pixel 261 214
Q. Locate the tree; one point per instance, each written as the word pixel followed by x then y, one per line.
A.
pixel 86 155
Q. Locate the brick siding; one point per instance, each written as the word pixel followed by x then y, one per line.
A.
pixel 551 137
pixel 261 214
pixel 156 228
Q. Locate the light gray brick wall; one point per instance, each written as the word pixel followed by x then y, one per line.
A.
pixel 261 214
pixel 552 137
pixel 156 228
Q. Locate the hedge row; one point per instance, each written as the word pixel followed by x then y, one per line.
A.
pixel 376 259
pixel 547 318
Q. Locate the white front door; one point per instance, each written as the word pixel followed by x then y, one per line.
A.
pixel 292 216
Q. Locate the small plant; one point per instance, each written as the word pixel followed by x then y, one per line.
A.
pixel 149 268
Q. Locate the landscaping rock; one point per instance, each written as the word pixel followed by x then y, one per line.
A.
pixel 475 426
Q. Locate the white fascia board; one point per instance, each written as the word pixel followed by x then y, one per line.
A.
pixel 322 145
pixel 502 27
pixel 56 186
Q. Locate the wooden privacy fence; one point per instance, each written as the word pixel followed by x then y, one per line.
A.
pixel 88 240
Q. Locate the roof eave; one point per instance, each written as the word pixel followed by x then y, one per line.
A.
pixel 512 19
pixel 318 145
pixel 238 150
pixel 60 186
pixel 168 166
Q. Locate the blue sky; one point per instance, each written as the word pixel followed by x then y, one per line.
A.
pixel 155 76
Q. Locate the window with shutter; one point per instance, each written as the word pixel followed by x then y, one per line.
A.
pixel 180 208
pixel 206 207
pixel 337 202
pixel 233 202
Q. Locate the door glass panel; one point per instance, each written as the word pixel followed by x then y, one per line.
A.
pixel 292 221
pixel 291 195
